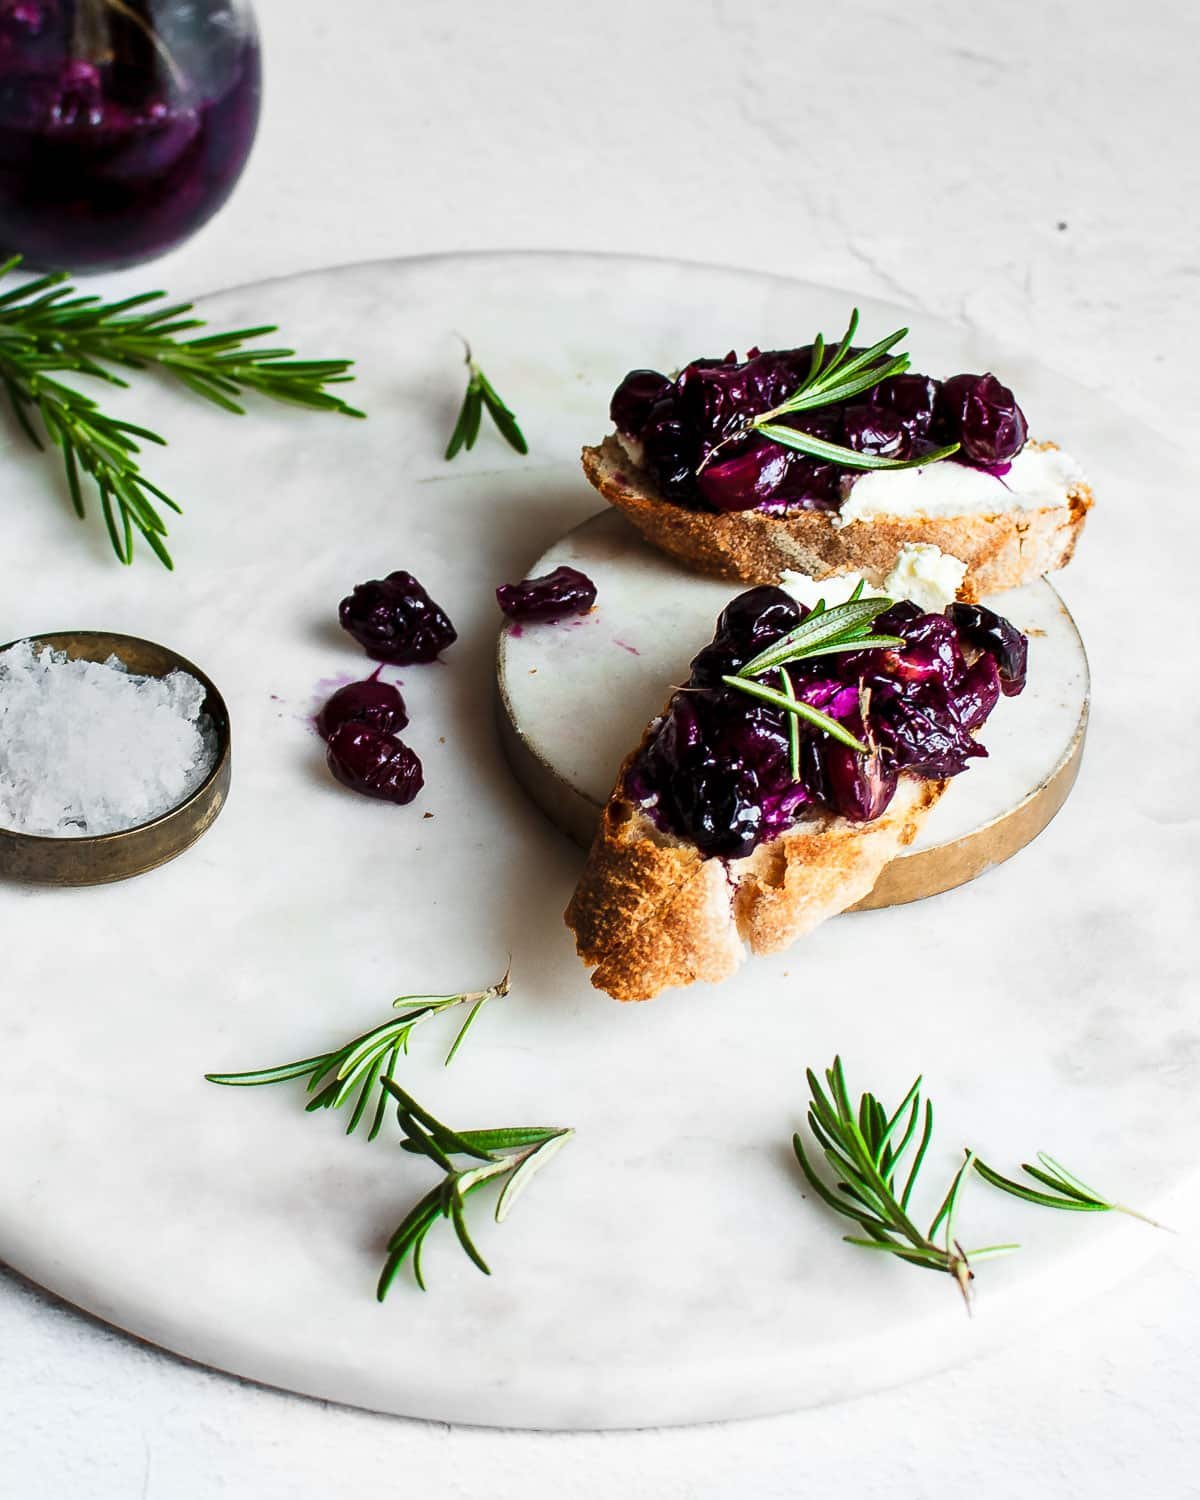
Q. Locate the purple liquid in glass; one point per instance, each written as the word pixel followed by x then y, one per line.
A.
pixel 123 126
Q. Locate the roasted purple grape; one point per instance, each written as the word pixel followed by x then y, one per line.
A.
pixel 983 415
pixel 394 620
pixel 372 702
pixel 1000 638
pixel 375 764
pixel 565 591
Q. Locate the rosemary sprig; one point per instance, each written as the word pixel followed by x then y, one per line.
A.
pixel 481 394
pixel 46 327
pixel 511 1155
pixel 865 1147
pixel 822 632
pixel 369 1060
pixel 1067 1191
pixel 840 378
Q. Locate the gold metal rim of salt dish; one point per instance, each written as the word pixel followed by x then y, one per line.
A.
pixel 107 857
pixel 909 877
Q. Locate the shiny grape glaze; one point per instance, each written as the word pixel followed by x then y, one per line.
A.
pixel 565 591
pixel 715 769
pixel 677 423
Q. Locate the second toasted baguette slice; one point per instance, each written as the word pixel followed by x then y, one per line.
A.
pixel 1002 550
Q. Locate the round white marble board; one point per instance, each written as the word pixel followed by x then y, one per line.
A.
pixel 667 1267
pixel 576 694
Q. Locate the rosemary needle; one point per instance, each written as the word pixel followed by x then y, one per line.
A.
pixel 481 395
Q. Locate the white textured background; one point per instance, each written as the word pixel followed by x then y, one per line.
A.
pixel 1031 169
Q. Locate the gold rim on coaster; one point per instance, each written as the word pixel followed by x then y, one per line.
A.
pixel 130 851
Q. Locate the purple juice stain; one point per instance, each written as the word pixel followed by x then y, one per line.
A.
pixel 123 128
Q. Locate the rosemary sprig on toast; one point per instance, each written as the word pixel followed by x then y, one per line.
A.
pixel 840 377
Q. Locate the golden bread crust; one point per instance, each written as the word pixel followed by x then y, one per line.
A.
pixel 1001 551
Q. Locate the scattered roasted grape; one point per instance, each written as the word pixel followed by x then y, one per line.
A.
pixel 375 764
pixel 394 620
pixel 565 591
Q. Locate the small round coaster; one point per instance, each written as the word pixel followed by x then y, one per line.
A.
pixel 575 697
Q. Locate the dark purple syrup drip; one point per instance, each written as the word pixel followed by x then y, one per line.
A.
pixel 679 423
pixel 716 768
pixel 122 129
pixel 565 591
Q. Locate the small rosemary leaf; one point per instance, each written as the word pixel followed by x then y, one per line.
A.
pixel 111 524
pixel 950 1203
pixel 989 1252
pixel 933 1260
pixel 816 629
pixel 1051 1180
pixel 911 1101
pixel 460 1228
pixel 466 1026
pixel 923 1146
pixel 805 711
pixel 474 407
pixel 870 356
pixel 502 416
pixel 1031 1195
pixel 446 1137
pixel 213 341
pixel 209 392
pixel 136 431
pixel 30 288
pixel 73 479
pixel 843 348
pixel 268 1075
pixel 857 643
pixel 1068 1180
pixel 17 401
pixel 371 1044
pixel 506 1139
pixel 422 1142
pixel 539 1157
pixel 818 359
pixel 155 542
pixel 793 724
pixel 422 1213
pixel 131 498
pixel 326 1099
pixel 817 1185
pixel 381 1105
pixel 369 1077
pixel 458 436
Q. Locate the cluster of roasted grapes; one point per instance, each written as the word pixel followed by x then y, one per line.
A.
pixel 679 422
pixel 716 769
pixel 394 620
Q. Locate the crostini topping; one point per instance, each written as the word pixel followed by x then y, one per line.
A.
pixel 794 428
pixel 394 620
pixel 565 591
pixel 728 767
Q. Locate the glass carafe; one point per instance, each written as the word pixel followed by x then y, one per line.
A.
pixel 124 124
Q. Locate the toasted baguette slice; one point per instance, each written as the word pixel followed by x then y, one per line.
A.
pixel 650 913
pixel 1001 551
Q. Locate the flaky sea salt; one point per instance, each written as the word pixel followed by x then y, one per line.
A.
pixel 90 747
